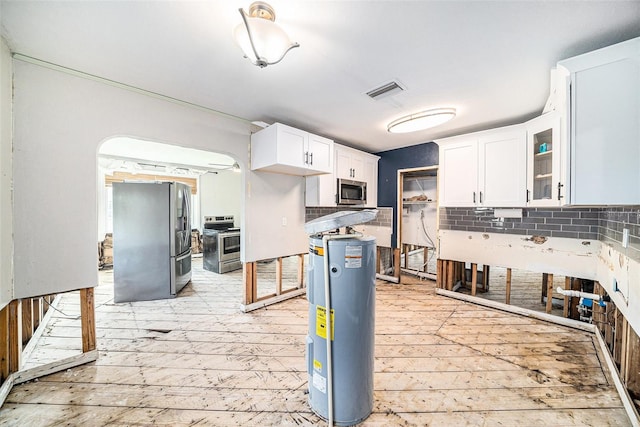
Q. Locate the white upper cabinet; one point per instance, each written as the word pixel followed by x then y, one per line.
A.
pixel 545 184
pixel 320 153
pixel 602 107
pixel 283 149
pixel 484 169
pixel 502 162
pixel 458 171
pixel 349 164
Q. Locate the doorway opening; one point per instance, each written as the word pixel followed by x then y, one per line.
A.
pixel 418 221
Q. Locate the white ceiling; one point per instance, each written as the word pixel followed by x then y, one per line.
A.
pixel 488 59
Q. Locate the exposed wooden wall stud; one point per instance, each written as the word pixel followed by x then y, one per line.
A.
pixel 300 271
pixel 508 287
pixel 549 293
pixel 88 316
pixel 278 275
pixel 474 278
pixel 566 307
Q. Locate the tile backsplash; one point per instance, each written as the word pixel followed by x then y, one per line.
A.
pixel 581 223
pixel 605 224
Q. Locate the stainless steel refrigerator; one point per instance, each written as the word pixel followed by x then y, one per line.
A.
pixel 151 240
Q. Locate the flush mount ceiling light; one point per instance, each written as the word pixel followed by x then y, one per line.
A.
pixel 422 120
pixel 260 38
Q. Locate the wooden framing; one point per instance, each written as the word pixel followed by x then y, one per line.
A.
pixel 87 314
pixel 37 312
pixel 250 278
pixel 252 301
pixel 5 369
pixel 507 297
pixel 27 320
pixel 14 340
pixel 549 285
pixel 474 278
pixel 21 322
pixel 301 270
pixel 396 263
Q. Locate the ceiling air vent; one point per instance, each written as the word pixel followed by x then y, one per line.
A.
pixel 387 89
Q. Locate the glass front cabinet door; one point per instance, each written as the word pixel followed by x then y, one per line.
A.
pixel 544 184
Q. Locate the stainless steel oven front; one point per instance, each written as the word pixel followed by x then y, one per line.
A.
pixel 229 245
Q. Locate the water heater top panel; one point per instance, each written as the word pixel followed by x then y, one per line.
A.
pixel 338 220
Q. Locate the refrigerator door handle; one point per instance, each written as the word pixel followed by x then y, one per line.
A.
pixel 181 257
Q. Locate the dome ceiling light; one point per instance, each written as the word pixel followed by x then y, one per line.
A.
pixel 422 120
pixel 260 38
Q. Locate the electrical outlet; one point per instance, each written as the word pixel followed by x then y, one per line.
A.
pixel 625 237
pixel 284 221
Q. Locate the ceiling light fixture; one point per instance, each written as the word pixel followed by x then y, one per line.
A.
pixel 235 167
pixel 260 38
pixel 422 120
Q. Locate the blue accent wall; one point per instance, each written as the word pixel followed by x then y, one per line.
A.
pixel 415 156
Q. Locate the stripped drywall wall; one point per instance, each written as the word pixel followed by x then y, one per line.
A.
pixel 6 177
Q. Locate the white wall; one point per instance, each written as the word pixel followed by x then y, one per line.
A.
pixel 6 173
pixel 60 121
pixel 221 194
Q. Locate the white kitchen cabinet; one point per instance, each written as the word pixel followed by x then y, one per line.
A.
pixel 602 109
pixel 283 149
pixel 502 167
pixel 349 164
pixel 458 183
pixel 545 183
pixel 484 169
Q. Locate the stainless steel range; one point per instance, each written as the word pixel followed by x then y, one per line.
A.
pixel 221 244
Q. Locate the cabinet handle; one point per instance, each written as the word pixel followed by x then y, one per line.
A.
pixel 527 196
pixel 306 157
pixel 474 197
pixel 311 157
pixel 481 197
pixel 559 187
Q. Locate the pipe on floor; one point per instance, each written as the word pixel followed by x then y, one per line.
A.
pixel 579 294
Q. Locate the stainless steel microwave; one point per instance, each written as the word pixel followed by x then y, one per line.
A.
pixel 351 192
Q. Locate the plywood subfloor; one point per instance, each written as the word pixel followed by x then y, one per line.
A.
pixel 197 360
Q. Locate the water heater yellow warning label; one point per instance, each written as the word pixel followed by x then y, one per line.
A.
pixel 321 322
pixel 316 250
